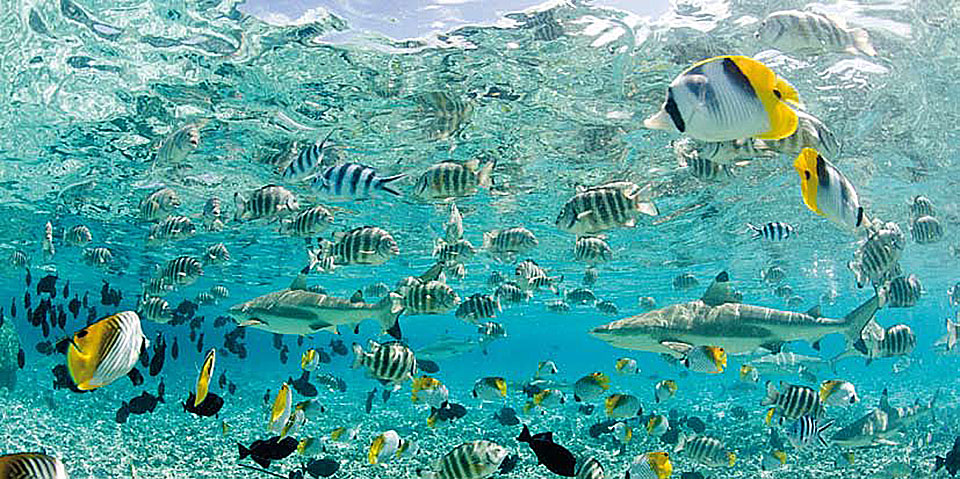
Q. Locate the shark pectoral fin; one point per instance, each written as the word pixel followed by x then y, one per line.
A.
pixel 885 442
pixel 679 347
pixel 357 297
pixel 816 345
pixel 773 346
pixel 356 329
pixel 251 322
pixel 584 214
pixel 814 311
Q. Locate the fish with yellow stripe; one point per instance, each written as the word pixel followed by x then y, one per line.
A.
pixel 106 350
pixel 827 192
pixel 650 465
pixel 280 411
pixel 310 360
pixel 201 401
pixel 728 98
pixel 387 446
pixel 622 406
pixel 493 388
pixel 31 465
pixel 429 391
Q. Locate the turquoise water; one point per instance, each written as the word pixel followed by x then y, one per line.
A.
pixel 556 99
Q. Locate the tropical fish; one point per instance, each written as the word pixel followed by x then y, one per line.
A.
pixel 827 192
pixel 812 33
pixel 281 409
pixel 470 460
pixel 706 450
pixel 555 457
pixel 490 389
pixel 263 452
pixel 350 181
pixel 604 207
pixel 266 202
pixel 387 362
pixel 591 387
pixel 106 350
pixel 807 429
pixel 31 465
pixel 451 179
pixel 650 465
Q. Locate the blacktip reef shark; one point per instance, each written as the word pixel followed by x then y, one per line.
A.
pixel 879 425
pixel 719 319
pixel 295 310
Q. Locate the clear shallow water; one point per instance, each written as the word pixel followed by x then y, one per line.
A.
pixel 92 90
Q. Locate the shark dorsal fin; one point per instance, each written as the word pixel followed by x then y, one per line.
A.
pixel 721 291
pixel 300 282
pixel 884 401
pixel 357 297
pixel 814 311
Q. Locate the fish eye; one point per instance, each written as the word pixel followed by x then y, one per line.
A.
pixel 806 173
pixel 777 93
pixel 81 333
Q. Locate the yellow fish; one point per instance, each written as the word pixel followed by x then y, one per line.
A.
pixel 206 372
pixel 827 192
pixel 310 360
pixel 651 465
pixel 280 412
pixel 118 337
pixel 728 98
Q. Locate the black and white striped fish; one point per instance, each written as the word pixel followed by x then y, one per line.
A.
pixel 511 293
pixel 216 253
pixel 453 228
pixel 432 297
pixel 18 259
pixel 470 460
pixel 458 251
pixel 308 223
pixel 158 204
pixel 811 133
pixel 106 350
pixel 812 33
pixel 922 206
pixel 181 271
pixel 478 306
pixel 451 179
pixel 592 249
pixel 590 469
pixel 926 230
pixel 390 362
pixel 607 307
pixel 507 243
pixel 100 256
pixel 78 235
pixel 268 202
pixel 877 259
pixel 31 465
pixel 172 228
pixel 220 291
pixel 157 287
pixel 353 181
pixel 792 401
pixel 491 329
pixel 904 292
pixel 308 161
pixel 773 231
pixel 212 214
pixel 527 269
pixel 685 281
pixel 807 429
pixel 155 309
pixel 600 208
pixel 581 296
pixel 706 450
pixel 376 290
pixel 178 144
pixel 363 245
pixel 897 340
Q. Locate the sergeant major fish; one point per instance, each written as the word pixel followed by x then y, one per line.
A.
pixel 266 202
pixel 351 181
pixel 600 208
pixel 451 179
pixel 812 33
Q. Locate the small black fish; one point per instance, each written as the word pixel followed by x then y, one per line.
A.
pixel 74 307
pixel 21 358
pixel 278 342
pixel 600 428
pixel 323 356
pixel 325 467
pixel 145 358
pixel 338 347
pixel 159 350
pixel 672 436
pixel 61 317
pixel 45 326
pixel 26 300
pixel 303 386
pixel 232 388
pixel 175 349
pixel 142 404
pixel 193 335
pixel 109 296
pixel 91 315
pixel 66 290
pixel 200 343
pixel 85 299
pixel 368 405
pixel 184 312
pixel 385 395
pixel 1 317
pixel 210 406
pixel 509 464
pixel 696 424
pixel 266 396
pixel 952 461
pixel 299 340
pixel 428 366
pixel 284 354
pixel 29 278
pixel 47 284
pixel 264 451
pixel 220 321
pixel 223 380
pixel 135 377
pixel 61 379
pixel 45 348
pixel 507 416
pixel 555 457
pixel 447 411
pixel 13 308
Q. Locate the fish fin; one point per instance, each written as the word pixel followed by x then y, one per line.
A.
pixel 584 214
pixel 262 462
pixel 660 121
pixel 679 347
pixel 773 346
pixel 814 311
pixel 244 452
pixel 357 297
pixel 721 291
pixel 648 208
pixel 940 462
pixel 300 282
pixel 385 186
pixel 525 435
pixel 861 318
pixel 251 322
pixel 816 345
pixel 484 177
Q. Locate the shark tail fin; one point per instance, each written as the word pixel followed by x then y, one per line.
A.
pixel 820 431
pixel 860 318
pixel 390 311
pixel 939 464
